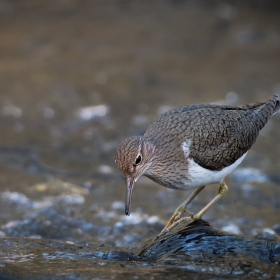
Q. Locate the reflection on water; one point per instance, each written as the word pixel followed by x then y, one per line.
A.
pixel 77 78
pixel 192 248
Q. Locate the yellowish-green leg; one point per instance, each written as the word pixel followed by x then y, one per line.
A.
pixel 182 208
pixel 175 217
pixel 221 192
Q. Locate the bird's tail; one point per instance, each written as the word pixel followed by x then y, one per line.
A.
pixel 272 105
pixel 267 108
pixel 277 103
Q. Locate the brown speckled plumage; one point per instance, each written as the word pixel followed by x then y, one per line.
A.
pixel 219 135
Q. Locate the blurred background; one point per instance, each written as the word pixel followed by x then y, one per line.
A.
pixel 77 77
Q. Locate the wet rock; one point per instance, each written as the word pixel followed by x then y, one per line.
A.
pixel 267 235
pixel 208 249
pixel 276 228
pixel 191 249
pixel 232 228
pixel 16 200
pixel 276 253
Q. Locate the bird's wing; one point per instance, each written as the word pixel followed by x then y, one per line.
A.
pixel 219 135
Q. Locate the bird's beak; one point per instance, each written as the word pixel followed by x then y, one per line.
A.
pixel 129 188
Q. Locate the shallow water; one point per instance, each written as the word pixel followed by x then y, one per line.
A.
pixel 194 249
pixel 77 78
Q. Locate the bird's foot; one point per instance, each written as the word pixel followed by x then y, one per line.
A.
pixel 177 222
pixel 196 216
pixel 176 218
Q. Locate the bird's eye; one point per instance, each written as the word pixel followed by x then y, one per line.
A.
pixel 138 160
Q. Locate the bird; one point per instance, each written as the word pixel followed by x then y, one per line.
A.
pixel 189 147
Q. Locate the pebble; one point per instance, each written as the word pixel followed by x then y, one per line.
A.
pixel 232 228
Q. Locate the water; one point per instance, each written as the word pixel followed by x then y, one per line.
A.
pixel 76 79
pixel 196 250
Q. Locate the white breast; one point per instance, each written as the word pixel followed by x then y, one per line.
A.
pixel 198 176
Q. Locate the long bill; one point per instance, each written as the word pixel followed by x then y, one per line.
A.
pixel 129 188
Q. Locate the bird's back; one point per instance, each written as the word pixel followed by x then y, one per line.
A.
pixel 219 134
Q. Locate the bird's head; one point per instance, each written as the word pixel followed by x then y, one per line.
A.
pixel 133 159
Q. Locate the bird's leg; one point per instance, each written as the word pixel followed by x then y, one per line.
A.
pixel 175 217
pixel 182 208
pixel 221 192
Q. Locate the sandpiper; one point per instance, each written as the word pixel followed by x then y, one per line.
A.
pixel 192 146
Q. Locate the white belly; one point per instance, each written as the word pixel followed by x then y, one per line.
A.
pixel 198 176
